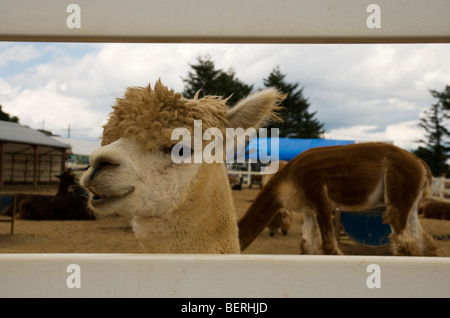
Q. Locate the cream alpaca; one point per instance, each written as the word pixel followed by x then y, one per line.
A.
pixel 176 208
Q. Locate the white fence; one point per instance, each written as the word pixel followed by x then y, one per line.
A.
pixel 286 21
pixel 441 189
pixel 222 276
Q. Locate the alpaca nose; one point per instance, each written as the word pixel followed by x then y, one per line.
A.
pixel 102 163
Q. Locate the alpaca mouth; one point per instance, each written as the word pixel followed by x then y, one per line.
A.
pixel 100 198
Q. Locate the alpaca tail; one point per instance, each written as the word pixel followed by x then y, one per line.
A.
pixel 429 180
pixel 260 213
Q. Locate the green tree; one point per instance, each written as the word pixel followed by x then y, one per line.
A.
pixel 6 117
pixel 298 121
pixel 436 150
pixel 211 81
pixel 444 97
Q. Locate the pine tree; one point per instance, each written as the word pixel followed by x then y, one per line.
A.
pixel 211 81
pixel 298 121
pixel 444 97
pixel 437 147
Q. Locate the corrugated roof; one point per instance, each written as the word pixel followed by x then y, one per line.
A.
pixel 14 132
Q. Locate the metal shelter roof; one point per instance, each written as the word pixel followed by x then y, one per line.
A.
pixel 29 155
pixel 16 133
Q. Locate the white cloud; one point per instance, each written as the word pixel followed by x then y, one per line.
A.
pixel 405 134
pixel 358 133
pixel 402 134
pixel 7 90
pixel 364 91
pixel 17 53
pixel 47 108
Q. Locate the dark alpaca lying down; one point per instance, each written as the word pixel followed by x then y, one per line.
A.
pixel 436 210
pixel 64 205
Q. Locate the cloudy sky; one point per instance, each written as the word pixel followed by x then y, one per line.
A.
pixel 362 92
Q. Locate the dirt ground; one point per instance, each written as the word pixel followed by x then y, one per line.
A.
pixel 113 234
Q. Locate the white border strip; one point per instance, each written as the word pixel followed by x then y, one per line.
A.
pixel 230 276
pixel 250 21
pixel 246 276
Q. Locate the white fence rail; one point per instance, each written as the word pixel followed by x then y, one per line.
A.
pixel 106 275
pixel 286 21
pixel 441 189
pixel 222 276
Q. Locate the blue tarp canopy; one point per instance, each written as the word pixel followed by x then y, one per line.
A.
pixel 288 148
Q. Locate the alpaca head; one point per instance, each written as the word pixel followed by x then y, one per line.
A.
pixel 67 178
pixel 134 171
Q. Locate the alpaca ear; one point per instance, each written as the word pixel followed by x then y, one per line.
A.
pixel 255 109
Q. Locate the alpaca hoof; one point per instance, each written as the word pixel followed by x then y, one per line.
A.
pixel 334 250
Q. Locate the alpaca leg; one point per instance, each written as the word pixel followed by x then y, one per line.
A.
pixel 413 240
pixel 403 190
pixel 311 242
pixel 329 242
pixel 286 220
pixel 425 242
pixel 318 235
pixel 429 245
pixel 274 224
pixel 324 216
pixel 408 236
pixel 404 239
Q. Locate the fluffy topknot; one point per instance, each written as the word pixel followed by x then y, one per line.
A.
pixel 150 115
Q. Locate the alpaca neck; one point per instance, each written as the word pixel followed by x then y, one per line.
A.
pixel 260 213
pixel 204 223
pixel 63 189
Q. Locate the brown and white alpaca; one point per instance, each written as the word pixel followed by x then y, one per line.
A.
pixel 175 207
pixel 352 177
pixel 283 219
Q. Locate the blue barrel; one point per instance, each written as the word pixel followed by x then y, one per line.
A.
pixel 5 203
pixel 366 227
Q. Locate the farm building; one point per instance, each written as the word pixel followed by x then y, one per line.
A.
pixel 29 156
pixel 78 155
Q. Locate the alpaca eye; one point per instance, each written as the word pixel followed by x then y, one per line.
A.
pixel 181 152
pixel 168 150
